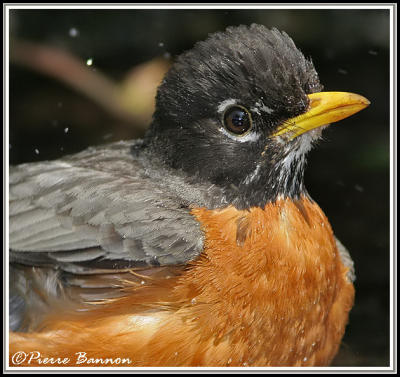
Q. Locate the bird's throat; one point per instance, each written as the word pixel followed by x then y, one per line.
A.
pixel 271 181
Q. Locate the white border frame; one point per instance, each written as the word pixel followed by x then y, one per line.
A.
pixel 392 7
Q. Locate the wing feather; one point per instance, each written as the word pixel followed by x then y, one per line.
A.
pixel 70 205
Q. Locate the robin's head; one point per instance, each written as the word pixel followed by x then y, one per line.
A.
pixel 241 110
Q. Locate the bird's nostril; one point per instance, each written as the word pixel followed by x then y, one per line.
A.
pixel 314 102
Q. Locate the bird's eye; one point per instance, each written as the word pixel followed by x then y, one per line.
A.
pixel 237 120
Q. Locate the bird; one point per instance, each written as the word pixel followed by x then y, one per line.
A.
pixel 198 244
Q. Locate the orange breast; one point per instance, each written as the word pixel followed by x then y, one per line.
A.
pixel 268 290
pixel 281 288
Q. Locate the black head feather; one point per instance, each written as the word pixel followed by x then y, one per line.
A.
pixel 257 69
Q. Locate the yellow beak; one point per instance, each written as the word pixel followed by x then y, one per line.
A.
pixel 325 108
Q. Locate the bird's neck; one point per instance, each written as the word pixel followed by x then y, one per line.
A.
pixel 267 182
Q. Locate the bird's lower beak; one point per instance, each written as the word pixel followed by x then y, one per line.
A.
pixel 324 108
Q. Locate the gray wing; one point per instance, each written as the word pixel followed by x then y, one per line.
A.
pixel 97 210
pixel 347 261
pixel 77 224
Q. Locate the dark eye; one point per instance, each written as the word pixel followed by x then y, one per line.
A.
pixel 237 120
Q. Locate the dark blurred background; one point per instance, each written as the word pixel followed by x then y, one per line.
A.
pixel 84 77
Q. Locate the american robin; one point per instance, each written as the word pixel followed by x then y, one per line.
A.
pixel 197 245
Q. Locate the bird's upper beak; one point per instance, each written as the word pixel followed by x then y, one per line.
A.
pixel 324 108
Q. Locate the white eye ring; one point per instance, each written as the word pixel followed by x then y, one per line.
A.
pixel 250 136
pixel 225 104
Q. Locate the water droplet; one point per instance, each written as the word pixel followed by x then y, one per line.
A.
pixel 107 136
pixel 229 361
pixel 373 52
pixel 359 188
pixel 313 345
pixel 305 359
pixel 193 302
pixel 142 282
pixel 73 32
pixel 176 353
pixel 342 71
pixel 161 44
pixel 66 129
pixel 89 62
pixel 37 151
